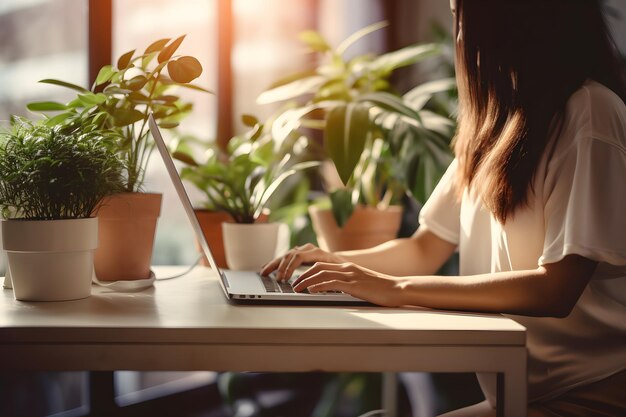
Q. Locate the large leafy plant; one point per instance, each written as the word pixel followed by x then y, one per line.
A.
pixel 381 143
pixel 243 180
pixel 51 173
pixel 122 97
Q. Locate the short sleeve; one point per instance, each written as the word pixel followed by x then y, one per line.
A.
pixel 442 212
pixel 585 203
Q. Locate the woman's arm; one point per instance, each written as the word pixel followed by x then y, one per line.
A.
pixel 550 290
pixel 423 253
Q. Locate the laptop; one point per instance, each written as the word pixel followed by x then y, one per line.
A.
pixel 240 286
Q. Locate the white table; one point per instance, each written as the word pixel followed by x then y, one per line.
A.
pixel 187 324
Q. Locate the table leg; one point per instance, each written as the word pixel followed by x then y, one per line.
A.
pixel 102 394
pixel 512 386
pixel 390 394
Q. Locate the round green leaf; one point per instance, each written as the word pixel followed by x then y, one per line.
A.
pixel 184 69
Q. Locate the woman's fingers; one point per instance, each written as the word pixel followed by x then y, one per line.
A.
pixel 280 263
pixel 271 266
pixel 322 273
pixel 351 279
pixel 316 268
pixel 288 263
pixel 299 257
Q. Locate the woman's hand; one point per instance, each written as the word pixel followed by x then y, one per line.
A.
pixel 307 254
pixel 352 279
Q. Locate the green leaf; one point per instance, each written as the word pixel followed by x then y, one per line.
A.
pixel 168 125
pixel 156 46
pixel 403 57
pixel 293 77
pixel 347 131
pixel 75 104
pixel 314 40
pixel 166 98
pixel 276 182
pixel 390 102
pixel 167 52
pixel 125 117
pixel 333 90
pixel 136 83
pixel 124 60
pixel 249 120
pixel 104 74
pixel 291 90
pixel 343 46
pixel 91 99
pixel 64 84
pixel 183 152
pixel 184 69
pixel 341 205
pixel 289 121
pixel 147 59
pixel 113 89
pixel 59 118
pixel 46 106
pixel 138 97
pixel 420 95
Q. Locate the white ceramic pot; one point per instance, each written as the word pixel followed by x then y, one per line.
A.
pixel 7 284
pixel 250 246
pixel 50 260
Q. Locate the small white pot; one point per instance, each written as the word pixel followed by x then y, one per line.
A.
pixel 7 274
pixel 250 246
pixel 50 260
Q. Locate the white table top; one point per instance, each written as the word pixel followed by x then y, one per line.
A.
pixel 193 309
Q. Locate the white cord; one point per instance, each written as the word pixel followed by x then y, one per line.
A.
pixel 182 274
pixel 373 413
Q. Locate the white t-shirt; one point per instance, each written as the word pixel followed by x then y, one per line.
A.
pixel 578 207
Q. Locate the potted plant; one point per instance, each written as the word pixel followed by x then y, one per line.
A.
pixel 51 180
pixel 120 100
pixel 241 183
pixel 381 144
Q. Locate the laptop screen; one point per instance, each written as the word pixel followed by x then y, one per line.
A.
pixel 180 190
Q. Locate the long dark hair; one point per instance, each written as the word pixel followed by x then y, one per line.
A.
pixel 518 62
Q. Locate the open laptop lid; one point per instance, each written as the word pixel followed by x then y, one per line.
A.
pixel 184 198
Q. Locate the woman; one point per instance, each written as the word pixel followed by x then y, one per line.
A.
pixel 535 202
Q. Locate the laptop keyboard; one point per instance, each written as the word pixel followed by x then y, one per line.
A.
pixel 271 284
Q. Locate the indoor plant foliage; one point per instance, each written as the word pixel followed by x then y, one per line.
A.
pixel 242 182
pixel 54 173
pixel 123 96
pixel 120 101
pixel 51 180
pixel 382 144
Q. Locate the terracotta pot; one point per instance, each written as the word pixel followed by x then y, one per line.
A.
pixel 366 227
pixel 211 224
pixel 50 260
pixel 126 228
